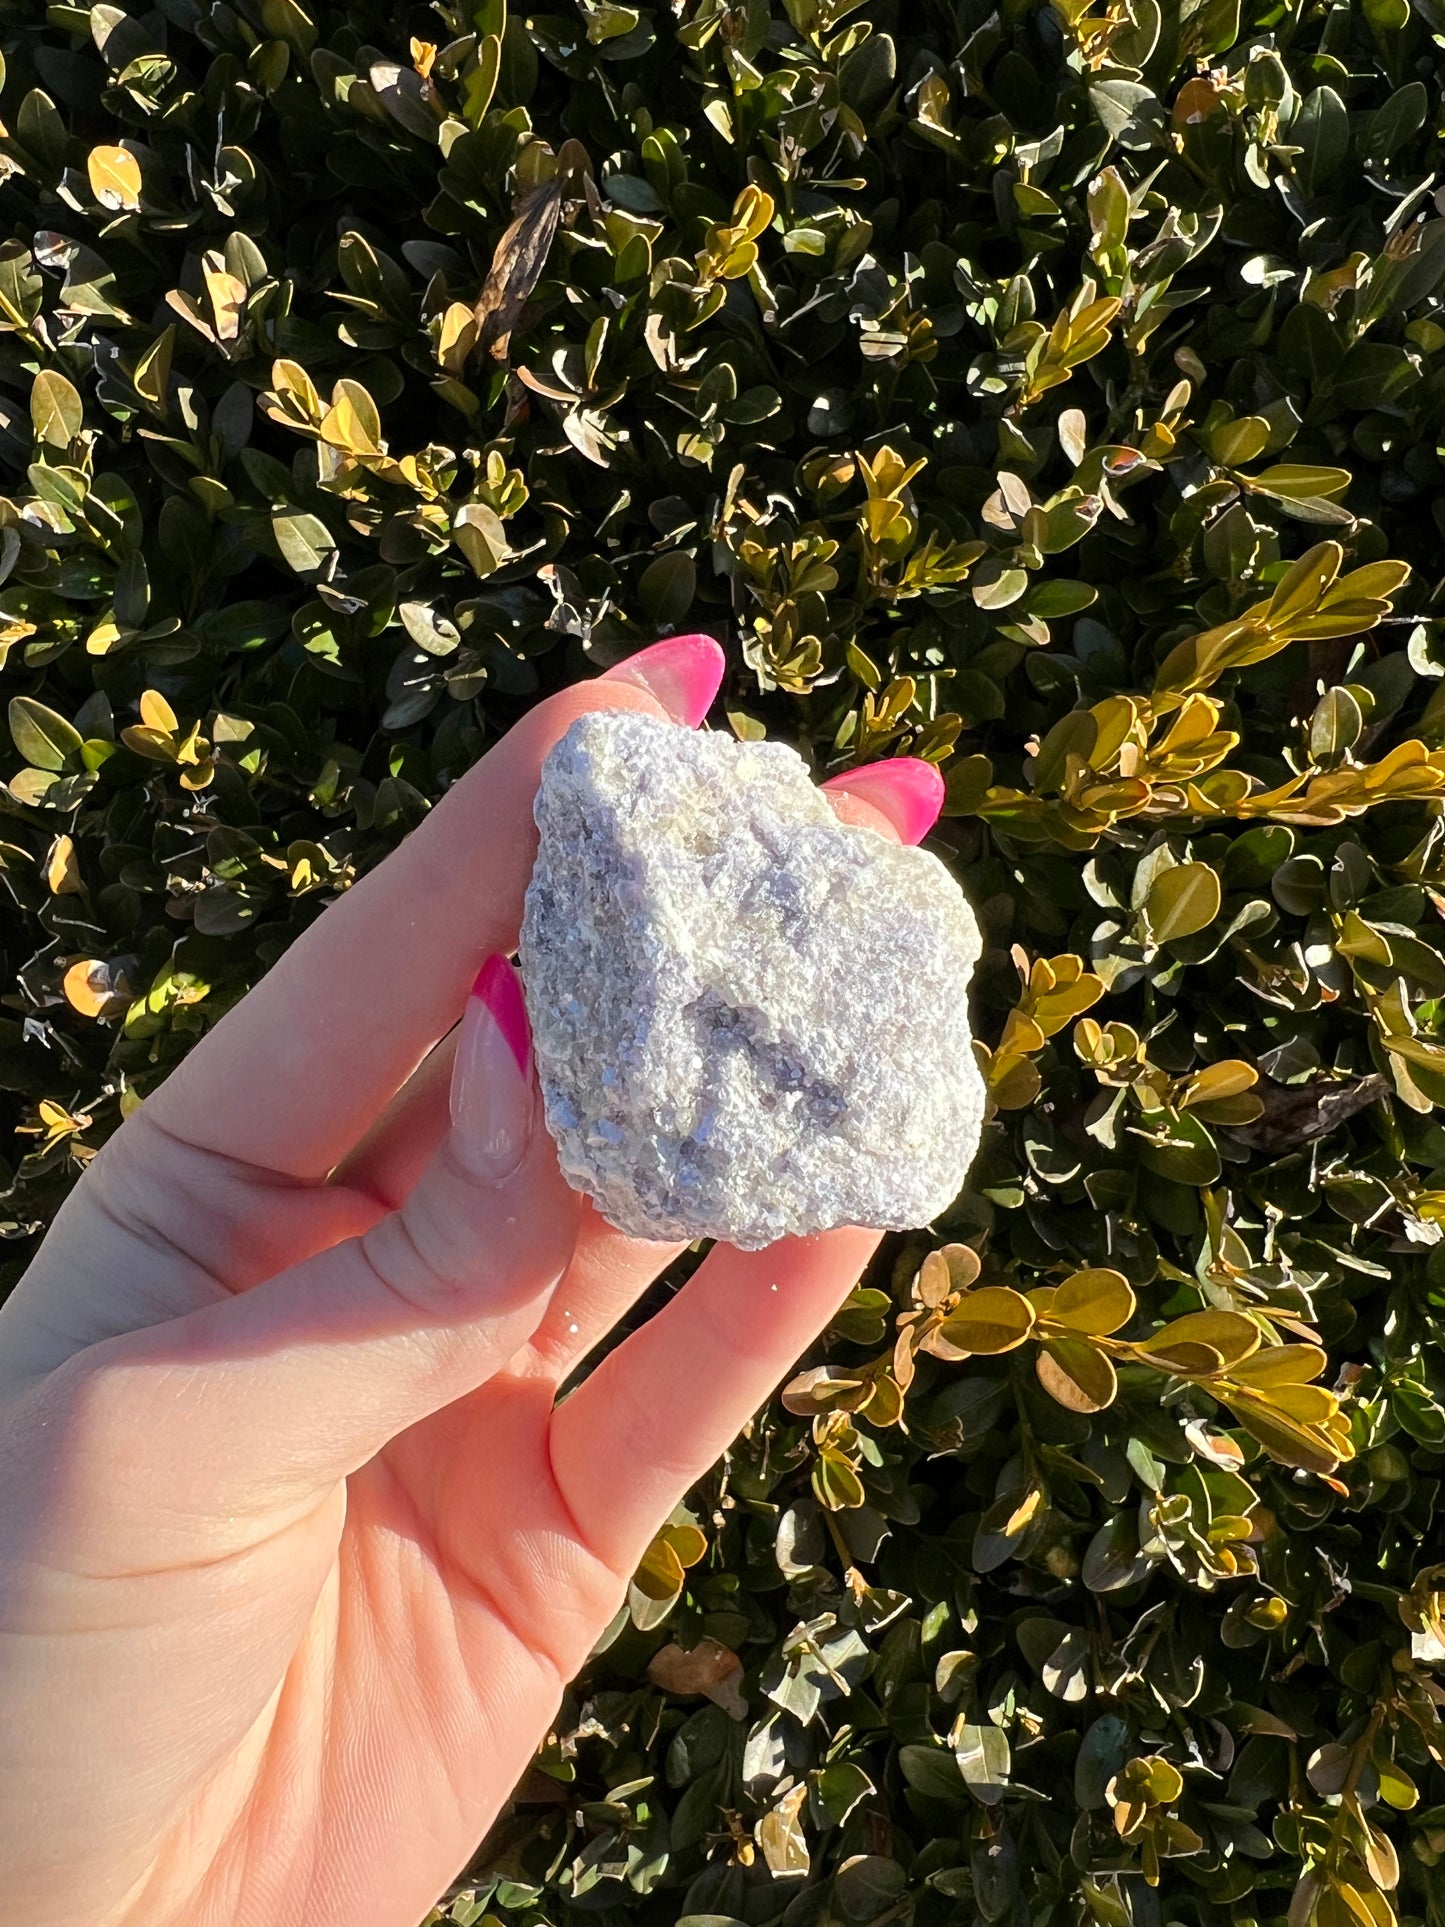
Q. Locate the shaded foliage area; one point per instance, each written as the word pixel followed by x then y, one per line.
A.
pixel 1051 391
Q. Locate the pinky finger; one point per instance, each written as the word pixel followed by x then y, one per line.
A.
pixel 664 1406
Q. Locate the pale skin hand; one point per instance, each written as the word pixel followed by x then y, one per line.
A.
pixel 296 1552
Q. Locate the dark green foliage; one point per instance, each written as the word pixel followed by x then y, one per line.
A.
pixel 1053 392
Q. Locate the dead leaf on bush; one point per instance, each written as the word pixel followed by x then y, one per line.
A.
pixel 517 267
pixel 709 1668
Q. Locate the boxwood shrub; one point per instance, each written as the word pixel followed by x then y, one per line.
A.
pixel 1049 390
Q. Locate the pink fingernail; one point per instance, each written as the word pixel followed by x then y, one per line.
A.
pixel 492 1096
pixel 684 673
pixel 500 989
pixel 907 790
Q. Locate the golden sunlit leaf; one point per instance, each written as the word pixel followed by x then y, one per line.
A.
pixel 991 1320
pixel 88 988
pixel 62 868
pixel 1097 1301
pixel 56 411
pixel 115 178
pixel 1076 1375
pixel 156 712
pixel 1228 1334
pixel 1281 1365
pixel 1182 901
pixel 1290 1443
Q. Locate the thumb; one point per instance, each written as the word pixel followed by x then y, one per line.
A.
pixel 308 1375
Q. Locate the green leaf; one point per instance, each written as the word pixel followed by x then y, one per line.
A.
pixel 1113 1560
pixel 41 129
pixel 1321 130
pixel 400 91
pixel 1075 1374
pixel 781 1837
pixel 934 1771
pixel 32 787
pixel 1239 441
pixel 867 1885
pixel 1401 117
pixel 985 1761
pixel 1310 344
pixel 55 409
pixel 990 1320
pixel 353 421
pixel 153 368
pixel 1304 583
pixel 21 288
pixel 1000 588
pixel 1213 28
pixel 304 540
pixel 1181 901
pixel 667 587
pixel 42 737
pixel 1096 1300
pixel 1228 1333
pixel 1065 1673
pixel 1397 1788
pixel 1335 726
pixel 1051 600
pixel 1185 1153
pixel 838 1789
pixel 289 22
pixel 866 77
pixel 481 535
pixel 1373 373
pixel 1108 203
pixel 1293 481
pixel 119 36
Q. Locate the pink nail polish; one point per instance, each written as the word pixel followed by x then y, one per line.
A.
pixel 493 1098
pixel 684 674
pixel 906 789
pixel 500 989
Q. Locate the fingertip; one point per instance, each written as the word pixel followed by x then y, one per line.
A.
pixel 906 790
pixel 493 1097
pixel 684 673
pixel 498 985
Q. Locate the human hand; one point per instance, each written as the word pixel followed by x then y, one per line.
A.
pixel 297 1549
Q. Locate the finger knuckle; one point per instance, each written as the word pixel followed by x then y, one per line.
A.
pixel 414 1259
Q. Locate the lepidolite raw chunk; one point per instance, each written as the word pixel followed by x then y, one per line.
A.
pixel 750 1020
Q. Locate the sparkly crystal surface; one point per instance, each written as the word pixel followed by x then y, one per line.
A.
pixel 750 1020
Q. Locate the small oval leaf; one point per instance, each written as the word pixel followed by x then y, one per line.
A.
pixel 1096 1300
pixel 55 409
pixel 44 739
pixel 1182 901
pixel 1075 1375
pixel 989 1321
pixel 114 178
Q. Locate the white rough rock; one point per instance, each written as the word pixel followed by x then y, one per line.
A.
pixel 750 1020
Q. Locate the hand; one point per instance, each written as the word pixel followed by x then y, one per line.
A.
pixel 296 1548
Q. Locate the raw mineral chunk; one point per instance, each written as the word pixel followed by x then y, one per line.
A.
pixel 750 1020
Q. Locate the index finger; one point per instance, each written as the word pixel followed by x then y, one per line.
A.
pixel 292 1076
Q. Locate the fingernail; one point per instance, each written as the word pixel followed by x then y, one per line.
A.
pixel 908 791
pixel 493 1100
pixel 684 673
